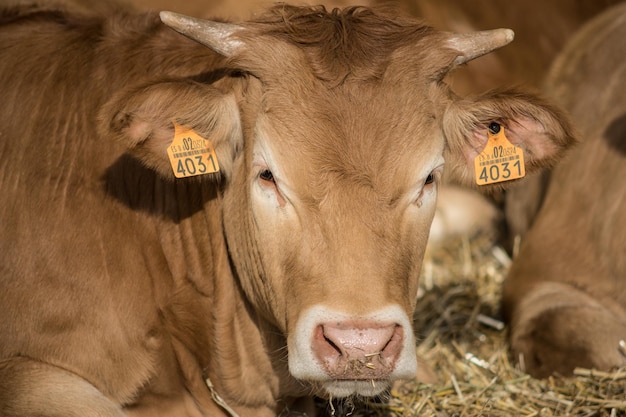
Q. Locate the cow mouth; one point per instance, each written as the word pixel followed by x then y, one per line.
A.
pixel 369 377
pixel 357 369
pixel 353 388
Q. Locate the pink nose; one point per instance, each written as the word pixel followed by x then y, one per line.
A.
pixel 358 349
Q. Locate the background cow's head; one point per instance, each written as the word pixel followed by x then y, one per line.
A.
pixel 332 131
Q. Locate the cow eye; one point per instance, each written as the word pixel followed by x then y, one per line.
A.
pixel 266 175
pixel 430 178
pixel 268 182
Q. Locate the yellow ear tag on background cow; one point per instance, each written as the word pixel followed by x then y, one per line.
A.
pixel 190 154
pixel 500 160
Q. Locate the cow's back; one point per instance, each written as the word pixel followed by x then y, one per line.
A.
pixel 589 80
pixel 586 196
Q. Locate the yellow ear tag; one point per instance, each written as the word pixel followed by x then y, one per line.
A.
pixel 190 154
pixel 500 160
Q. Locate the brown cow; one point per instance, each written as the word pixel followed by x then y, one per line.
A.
pixel 293 270
pixel 565 296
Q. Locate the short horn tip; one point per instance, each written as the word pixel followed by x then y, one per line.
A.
pixel 166 17
pixel 215 35
pixel 509 35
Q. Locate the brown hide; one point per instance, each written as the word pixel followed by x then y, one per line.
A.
pixel 565 296
pixel 122 288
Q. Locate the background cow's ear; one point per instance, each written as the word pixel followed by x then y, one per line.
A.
pixel 541 130
pixel 143 120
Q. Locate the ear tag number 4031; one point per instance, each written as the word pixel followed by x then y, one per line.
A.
pixel 190 154
pixel 500 160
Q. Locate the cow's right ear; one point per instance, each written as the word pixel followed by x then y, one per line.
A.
pixel 143 120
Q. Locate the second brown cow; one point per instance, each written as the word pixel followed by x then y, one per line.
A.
pixel 565 296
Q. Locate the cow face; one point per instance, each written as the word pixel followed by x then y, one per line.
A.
pixel 339 223
pixel 333 132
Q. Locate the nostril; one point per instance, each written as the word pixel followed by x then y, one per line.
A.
pixel 332 344
pixel 324 346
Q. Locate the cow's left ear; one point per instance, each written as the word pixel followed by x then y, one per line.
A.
pixel 143 120
pixel 541 130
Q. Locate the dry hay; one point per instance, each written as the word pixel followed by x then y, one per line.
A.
pixel 464 342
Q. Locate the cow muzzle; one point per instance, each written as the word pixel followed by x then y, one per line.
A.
pixel 352 354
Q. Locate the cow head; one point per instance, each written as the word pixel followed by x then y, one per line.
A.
pixel 332 130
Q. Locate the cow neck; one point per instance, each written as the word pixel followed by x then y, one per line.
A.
pixel 251 361
pixel 221 344
pixel 239 366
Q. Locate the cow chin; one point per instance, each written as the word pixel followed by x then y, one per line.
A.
pixel 348 355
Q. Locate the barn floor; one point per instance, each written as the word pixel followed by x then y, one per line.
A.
pixel 460 293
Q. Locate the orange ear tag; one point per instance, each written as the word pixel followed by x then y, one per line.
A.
pixel 500 160
pixel 190 154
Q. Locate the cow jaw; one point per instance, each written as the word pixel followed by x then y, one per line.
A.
pixel 352 355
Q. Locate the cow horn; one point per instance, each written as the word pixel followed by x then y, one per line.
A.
pixel 215 35
pixel 475 44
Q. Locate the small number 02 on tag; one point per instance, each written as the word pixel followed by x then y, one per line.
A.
pixel 500 160
pixel 190 154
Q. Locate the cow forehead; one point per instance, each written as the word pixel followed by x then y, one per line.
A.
pixel 361 119
pixel 384 138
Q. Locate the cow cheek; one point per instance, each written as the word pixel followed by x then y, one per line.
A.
pixel 273 230
pixel 417 228
pixel 248 248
